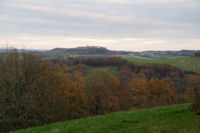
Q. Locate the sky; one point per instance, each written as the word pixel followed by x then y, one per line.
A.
pixel 131 25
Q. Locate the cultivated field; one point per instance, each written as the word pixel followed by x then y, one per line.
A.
pixel 185 63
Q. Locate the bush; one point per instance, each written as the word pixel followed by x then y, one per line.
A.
pixel 193 93
pixel 196 106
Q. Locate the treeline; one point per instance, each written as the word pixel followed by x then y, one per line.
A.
pixel 90 61
pixel 35 92
pixel 197 54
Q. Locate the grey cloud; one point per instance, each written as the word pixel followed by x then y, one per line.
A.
pixel 101 18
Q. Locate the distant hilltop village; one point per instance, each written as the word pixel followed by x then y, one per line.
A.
pixel 82 47
pixel 102 51
pixel 81 51
pixel 85 47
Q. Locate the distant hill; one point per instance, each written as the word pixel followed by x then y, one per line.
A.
pixel 6 49
pixel 166 54
pixel 20 50
pixel 102 51
pixel 81 51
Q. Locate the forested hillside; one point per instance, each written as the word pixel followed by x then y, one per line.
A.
pixel 35 91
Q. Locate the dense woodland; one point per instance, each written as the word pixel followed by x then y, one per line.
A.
pixel 36 91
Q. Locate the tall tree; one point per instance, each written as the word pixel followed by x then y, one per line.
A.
pixel 138 87
pixel 100 90
pixel 193 92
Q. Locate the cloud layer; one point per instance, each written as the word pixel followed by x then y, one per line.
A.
pixel 60 23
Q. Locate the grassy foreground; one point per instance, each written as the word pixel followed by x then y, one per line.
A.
pixel 185 63
pixel 168 119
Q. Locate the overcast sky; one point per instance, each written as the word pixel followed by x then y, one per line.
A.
pixel 135 25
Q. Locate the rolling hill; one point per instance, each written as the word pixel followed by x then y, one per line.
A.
pixel 167 119
pixel 102 51
pixel 81 51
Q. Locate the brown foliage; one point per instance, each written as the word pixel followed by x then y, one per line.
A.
pixel 193 93
pixel 100 91
pixel 34 91
pixel 138 88
pixel 161 92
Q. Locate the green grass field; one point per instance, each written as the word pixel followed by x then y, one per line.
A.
pixel 168 119
pixel 185 63
pixel 111 69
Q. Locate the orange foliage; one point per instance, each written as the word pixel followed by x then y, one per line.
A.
pixel 100 91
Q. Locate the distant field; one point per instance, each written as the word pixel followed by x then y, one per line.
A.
pixel 152 56
pixel 185 63
pixel 168 119
pixel 111 69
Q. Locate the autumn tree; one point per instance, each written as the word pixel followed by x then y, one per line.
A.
pixel 31 91
pixel 101 87
pixel 193 92
pixel 75 94
pixel 161 92
pixel 125 98
pixel 169 91
pixel 138 88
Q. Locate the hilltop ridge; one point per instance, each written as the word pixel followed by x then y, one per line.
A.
pixel 102 51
